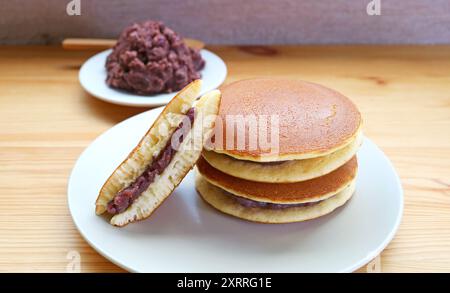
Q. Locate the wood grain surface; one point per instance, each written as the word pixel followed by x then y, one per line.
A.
pixel 46 120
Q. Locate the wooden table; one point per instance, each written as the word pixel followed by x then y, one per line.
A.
pixel 46 120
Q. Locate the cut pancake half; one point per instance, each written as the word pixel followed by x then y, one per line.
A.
pixel 286 171
pixel 228 204
pixel 156 148
pixel 313 190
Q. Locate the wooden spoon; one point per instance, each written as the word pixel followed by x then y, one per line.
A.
pixel 103 44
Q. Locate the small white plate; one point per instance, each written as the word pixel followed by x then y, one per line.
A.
pixel 92 77
pixel 187 235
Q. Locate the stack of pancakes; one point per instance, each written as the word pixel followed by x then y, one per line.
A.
pixel 314 168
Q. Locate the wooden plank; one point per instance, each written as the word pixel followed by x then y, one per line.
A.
pixel 46 120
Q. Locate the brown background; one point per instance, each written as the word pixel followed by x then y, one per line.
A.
pixel 233 21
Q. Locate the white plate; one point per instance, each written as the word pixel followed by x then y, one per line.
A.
pixel 186 235
pixel 92 77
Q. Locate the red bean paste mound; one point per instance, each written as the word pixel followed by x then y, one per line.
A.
pixel 150 58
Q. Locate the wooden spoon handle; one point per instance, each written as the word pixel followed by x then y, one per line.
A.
pixel 88 44
pixel 103 44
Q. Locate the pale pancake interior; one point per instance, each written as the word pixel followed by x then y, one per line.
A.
pixel 220 200
pixel 283 172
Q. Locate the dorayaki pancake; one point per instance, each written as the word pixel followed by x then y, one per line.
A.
pixel 284 193
pixel 286 171
pixel 221 200
pixel 313 120
pixel 162 158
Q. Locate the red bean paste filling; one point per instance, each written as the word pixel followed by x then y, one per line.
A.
pixel 150 58
pixel 128 195
pixel 248 203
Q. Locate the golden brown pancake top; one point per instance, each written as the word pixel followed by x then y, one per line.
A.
pixel 312 118
pixel 282 192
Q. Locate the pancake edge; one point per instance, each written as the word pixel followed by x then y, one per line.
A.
pixel 246 156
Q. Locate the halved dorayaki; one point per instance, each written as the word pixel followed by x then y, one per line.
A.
pixel 161 159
